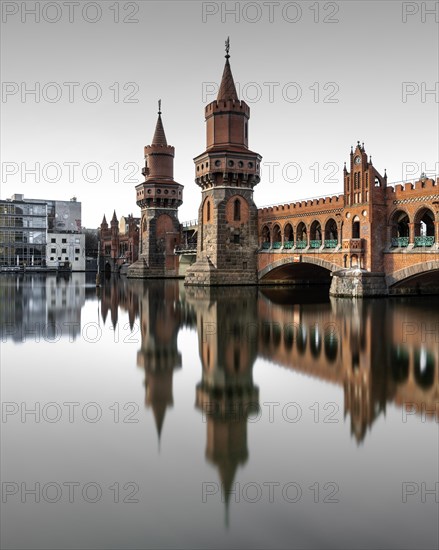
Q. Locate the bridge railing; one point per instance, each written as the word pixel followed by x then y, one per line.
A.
pixel 424 240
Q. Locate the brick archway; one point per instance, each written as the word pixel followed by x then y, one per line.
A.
pixel 307 260
pixel 411 271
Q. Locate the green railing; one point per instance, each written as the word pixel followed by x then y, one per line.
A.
pixel 400 242
pixel 265 246
pixel 315 244
pixel 301 244
pixel 276 244
pixel 331 243
pixel 288 244
pixel 424 240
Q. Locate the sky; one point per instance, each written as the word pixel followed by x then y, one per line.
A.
pixel 318 77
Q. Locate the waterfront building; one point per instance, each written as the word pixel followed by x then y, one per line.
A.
pixel 41 234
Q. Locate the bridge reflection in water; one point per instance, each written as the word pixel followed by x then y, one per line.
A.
pixel 381 355
pixel 378 351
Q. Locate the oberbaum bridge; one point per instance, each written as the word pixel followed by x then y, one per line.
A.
pixel 373 239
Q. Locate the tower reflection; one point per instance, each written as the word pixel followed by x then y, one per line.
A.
pixel 160 321
pixel 226 394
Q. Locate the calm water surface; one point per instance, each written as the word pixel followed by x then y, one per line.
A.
pixel 150 415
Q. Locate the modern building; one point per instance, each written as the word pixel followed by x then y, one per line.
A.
pixel 66 247
pixel 23 232
pixel 41 234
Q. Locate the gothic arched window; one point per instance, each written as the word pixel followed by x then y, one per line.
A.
pixel 237 210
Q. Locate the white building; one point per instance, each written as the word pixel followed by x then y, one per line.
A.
pixel 66 247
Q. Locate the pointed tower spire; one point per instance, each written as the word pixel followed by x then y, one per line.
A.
pixel 227 88
pixel 104 222
pixel 159 134
pixel 114 218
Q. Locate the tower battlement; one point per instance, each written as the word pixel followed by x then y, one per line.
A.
pixel 219 106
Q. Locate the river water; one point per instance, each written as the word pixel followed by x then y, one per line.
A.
pixel 150 415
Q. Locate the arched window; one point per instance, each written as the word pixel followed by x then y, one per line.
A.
pixel 266 240
pixel 400 231
pixel 424 227
pixel 208 211
pixel 356 228
pixel 316 235
pixel 288 236
pixel 301 236
pixel 331 234
pixel 237 210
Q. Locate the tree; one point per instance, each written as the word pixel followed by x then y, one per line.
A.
pixel 91 242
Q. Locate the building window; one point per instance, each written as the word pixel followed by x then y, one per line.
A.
pixel 66 258
pixel 236 239
pixel 51 258
pixel 356 228
pixel 59 257
pixel 237 210
pixel 76 259
pixel 208 211
pixel 77 250
pixel 64 240
pixel 53 250
pixel 52 240
pixel 64 251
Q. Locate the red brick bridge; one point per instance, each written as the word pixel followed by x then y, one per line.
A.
pixel 388 231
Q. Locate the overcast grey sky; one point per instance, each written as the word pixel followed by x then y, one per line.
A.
pixel 337 72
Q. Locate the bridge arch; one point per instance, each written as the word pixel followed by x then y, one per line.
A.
pixel 305 260
pixel 412 271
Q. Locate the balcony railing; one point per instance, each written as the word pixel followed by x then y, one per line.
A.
pixel 331 243
pixel 424 240
pixel 276 244
pixel 301 244
pixel 355 245
pixel 288 244
pixel 266 246
pixel 400 242
pixel 315 244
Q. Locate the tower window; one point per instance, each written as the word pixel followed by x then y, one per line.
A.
pixel 356 228
pixel 236 238
pixel 208 211
pixel 246 130
pixel 237 210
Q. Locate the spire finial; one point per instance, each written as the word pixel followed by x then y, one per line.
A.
pixel 227 47
pixel 160 107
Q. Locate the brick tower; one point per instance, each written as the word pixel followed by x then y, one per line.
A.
pixel 364 229
pixel 159 197
pixel 226 172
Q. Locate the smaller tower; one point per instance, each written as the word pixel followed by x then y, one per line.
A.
pixel 159 197
pixel 114 236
